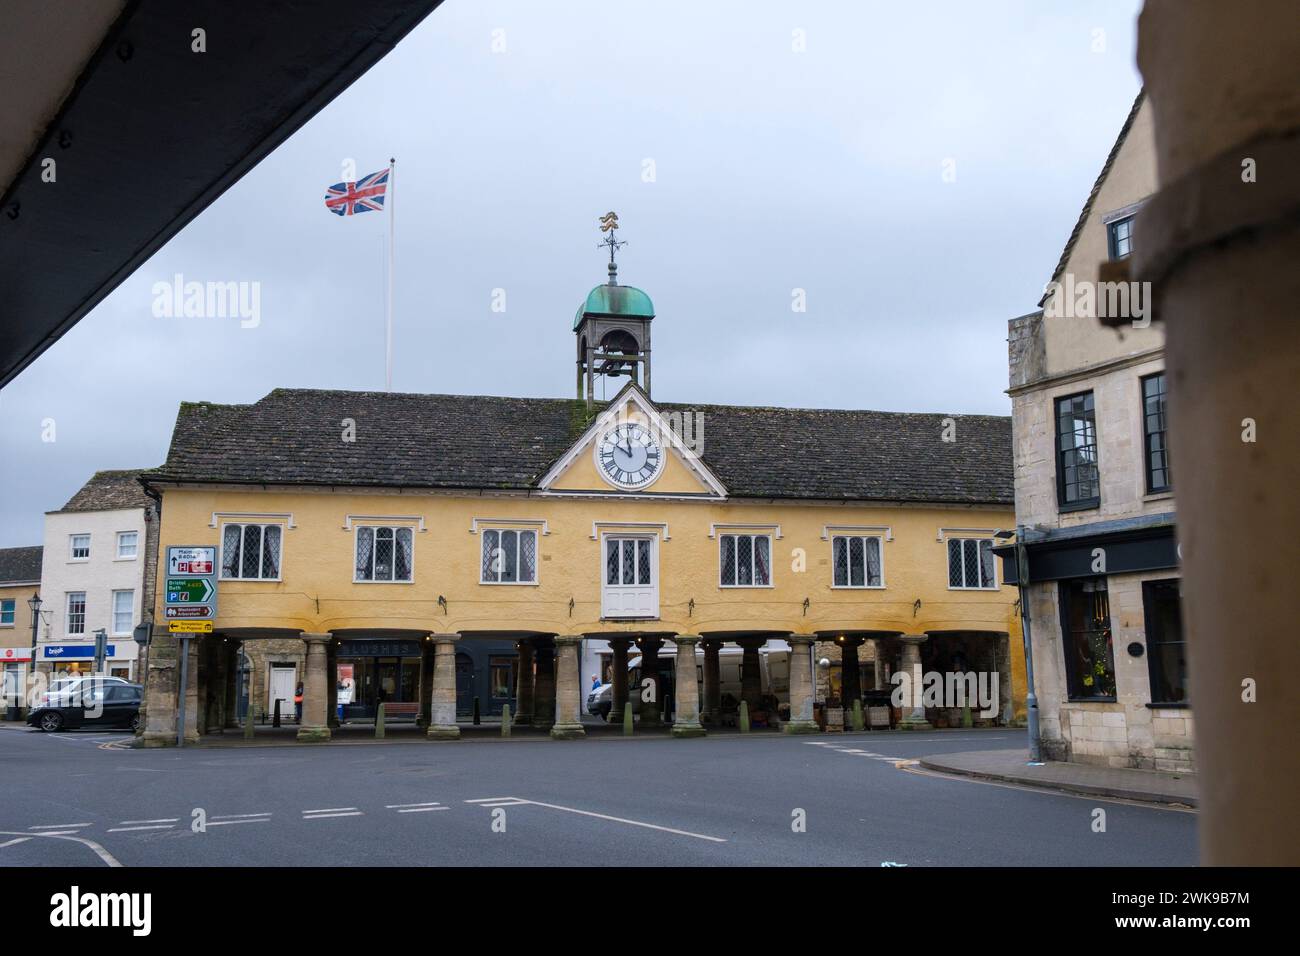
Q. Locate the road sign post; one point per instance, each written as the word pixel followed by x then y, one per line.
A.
pixel 190 608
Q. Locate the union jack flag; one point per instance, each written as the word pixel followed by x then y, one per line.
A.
pixel 346 199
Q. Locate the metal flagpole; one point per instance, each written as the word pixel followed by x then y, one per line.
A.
pixel 388 339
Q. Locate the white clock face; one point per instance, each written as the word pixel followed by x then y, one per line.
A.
pixel 629 456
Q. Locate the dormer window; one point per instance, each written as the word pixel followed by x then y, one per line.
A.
pixel 1121 237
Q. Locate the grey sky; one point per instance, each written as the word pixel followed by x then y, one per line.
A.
pixel 775 170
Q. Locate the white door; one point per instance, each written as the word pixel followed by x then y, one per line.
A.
pixel 282 686
pixel 630 569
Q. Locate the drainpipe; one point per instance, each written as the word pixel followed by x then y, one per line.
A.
pixel 1031 698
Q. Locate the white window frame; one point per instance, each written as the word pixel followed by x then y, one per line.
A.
pixel 130 612
pixel 13 611
pixel 373 528
pixel 67 612
pixel 752 536
pixel 635 535
pixel 221 548
pixel 485 531
pixel 135 546
pixel 72 546
pixel 996 586
pixel 880 548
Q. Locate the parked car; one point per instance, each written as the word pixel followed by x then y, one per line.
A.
pixel 115 703
pixel 66 687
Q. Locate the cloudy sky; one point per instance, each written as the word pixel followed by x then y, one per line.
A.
pixel 792 145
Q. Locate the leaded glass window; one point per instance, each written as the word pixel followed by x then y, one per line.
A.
pixel 970 563
pixel 856 561
pixel 250 551
pixel 384 554
pixel 509 557
pixel 745 560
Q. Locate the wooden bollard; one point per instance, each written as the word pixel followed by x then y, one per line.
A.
pixel 505 721
pixel 744 717
pixel 627 719
pixel 858 722
pixel 379 721
pixel 248 723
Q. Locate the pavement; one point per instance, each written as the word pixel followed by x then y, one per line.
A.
pixel 1012 766
pixel 87 798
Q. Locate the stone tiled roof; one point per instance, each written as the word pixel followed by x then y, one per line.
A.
pixel 110 491
pixel 20 565
pixel 295 436
pixel 1092 196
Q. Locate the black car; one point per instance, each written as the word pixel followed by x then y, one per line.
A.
pixel 107 705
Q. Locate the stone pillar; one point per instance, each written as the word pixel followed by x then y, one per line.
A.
pixel 442 714
pixel 711 710
pixel 332 683
pixel 651 710
pixel 568 689
pixel 161 682
pixel 619 646
pixel 213 695
pixel 751 678
pixel 877 665
pixel 850 672
pixel 524 699
pixel 544 685
pixel 801 685
pixel 427 654
pixel 315 693
pixel 686 720
pixel 1221 252
pixel 192 716
pixel 230 708
pixel 913 710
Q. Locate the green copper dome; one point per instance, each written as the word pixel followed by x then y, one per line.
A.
pixel 617 300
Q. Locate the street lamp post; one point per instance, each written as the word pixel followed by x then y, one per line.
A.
pixel 34 602
pixel 1022 585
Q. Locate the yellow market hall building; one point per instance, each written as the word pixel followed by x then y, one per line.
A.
pixel 449 556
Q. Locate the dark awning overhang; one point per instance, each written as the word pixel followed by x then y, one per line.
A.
pixel 1127 546
pixel 145 132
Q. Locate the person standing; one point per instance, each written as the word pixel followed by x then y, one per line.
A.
pixel 297 703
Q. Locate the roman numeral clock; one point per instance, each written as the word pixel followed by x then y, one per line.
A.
pixel 629 456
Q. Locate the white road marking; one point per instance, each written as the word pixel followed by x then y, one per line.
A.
pixel 329 810
pixel 520 801
pixel 12 842
pixel 423 809
pixel 634 823
pixel 99 851
pixel 326 816
pixel 394 806
pixel 159 820
pixel 59 826
pixel 231 823
pixel 161 826
pixel 236 816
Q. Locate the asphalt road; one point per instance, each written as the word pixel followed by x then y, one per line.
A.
pixel 82 799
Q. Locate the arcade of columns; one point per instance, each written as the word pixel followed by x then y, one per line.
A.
pixel 549 693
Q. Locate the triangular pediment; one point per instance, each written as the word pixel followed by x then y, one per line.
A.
pixel 631 448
